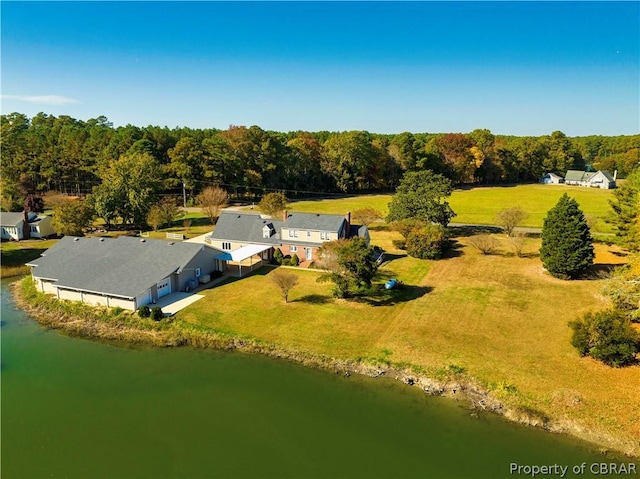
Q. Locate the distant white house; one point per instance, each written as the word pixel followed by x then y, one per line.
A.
pixel 591 179
pixel 551 179
pixel 12 225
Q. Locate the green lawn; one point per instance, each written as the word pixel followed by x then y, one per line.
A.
pixel 15 254
pixel 499 317
pixel 479 205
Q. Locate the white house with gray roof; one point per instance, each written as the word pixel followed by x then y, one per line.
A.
pixel 12 225
pixel 125 272
pixel 295 233
pixel 591 179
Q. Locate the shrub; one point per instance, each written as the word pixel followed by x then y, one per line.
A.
pixel 486 244
pixel 427 242
pixel 400 244
pixel 278 256
pixel 295 260
pixel 509 218
pixel 607 336
pixel 156 313
pixel 144 311
pixel 517 243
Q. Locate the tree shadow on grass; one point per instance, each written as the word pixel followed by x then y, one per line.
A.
pixel 472 230
pixel 18 257
pixel 599 271
pixel 313 299
pixel 400 294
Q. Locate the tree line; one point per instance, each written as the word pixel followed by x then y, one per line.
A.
pixel 73 156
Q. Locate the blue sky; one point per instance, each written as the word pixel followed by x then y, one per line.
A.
pixel 522 68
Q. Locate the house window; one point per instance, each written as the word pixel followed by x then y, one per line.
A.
pixel 323 236
pixel 308 234
pixel 34 229
pixel 198 272
pixel 295 233
pixel 290 233
pixel 226 245
pixel 293 249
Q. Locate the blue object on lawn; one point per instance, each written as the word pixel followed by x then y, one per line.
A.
pixel 391 283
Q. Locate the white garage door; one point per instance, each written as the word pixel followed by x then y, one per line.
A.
pixel 164 287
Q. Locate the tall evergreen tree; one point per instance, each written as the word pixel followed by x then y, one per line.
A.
pixel 567 245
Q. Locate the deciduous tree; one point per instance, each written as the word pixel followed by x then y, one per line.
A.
pixel 285 281
pixel 509 218
pixel 273 204
pixel 366 216
pixel 422 195
pixel 72 217
pixel 212 199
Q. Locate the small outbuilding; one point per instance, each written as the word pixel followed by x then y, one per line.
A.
pixel 125 272
pixel 551 179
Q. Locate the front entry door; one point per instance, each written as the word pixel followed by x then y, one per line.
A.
pixel 308 252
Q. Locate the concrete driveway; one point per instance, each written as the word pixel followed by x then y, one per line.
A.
pixel 174 302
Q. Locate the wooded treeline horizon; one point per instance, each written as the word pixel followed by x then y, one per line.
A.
pixel 71 156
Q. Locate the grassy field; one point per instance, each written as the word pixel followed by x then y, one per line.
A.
pixel 13 255
pixel 500 318
pixel 479 205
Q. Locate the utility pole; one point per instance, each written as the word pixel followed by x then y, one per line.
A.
pixel 184 195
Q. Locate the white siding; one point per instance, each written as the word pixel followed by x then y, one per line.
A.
pixel 144 298
pixel 69 294
pixel 94 299
pixel 122 303
pixel 47 287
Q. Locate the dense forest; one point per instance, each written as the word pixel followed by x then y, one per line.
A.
pixel 72 156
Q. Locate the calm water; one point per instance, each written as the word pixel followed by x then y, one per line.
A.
pixel 80 409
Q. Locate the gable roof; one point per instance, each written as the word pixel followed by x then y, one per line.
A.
pixel 607 175
pixel 578 175
pixel 123 266
pixel 13 218
pixel 314 221
pixel 10 219
pixel 245 227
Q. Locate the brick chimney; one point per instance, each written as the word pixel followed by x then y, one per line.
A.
pixel 348 218
pixel 285 213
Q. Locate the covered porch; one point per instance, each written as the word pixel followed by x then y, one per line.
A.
pixel 246 258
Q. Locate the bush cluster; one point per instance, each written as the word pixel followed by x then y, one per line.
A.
pixel 607 336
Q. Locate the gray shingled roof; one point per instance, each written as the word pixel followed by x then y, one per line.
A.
pixel 122 266
pixel 607 175
pixel 314 221
pixel 13 218
pixel 10 219
pixel 246 228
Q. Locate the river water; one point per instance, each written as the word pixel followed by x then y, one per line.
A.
pixel 76 408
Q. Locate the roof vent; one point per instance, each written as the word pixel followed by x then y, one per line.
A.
pixel 101 240
pixel 171 243
pixel 76 239
pixel 239 216
pixel 142 240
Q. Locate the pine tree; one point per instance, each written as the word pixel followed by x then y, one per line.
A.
pixel 567 245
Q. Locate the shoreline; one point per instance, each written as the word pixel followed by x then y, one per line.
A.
pixel 454 385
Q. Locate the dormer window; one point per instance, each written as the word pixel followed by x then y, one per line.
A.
pixel 266 231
